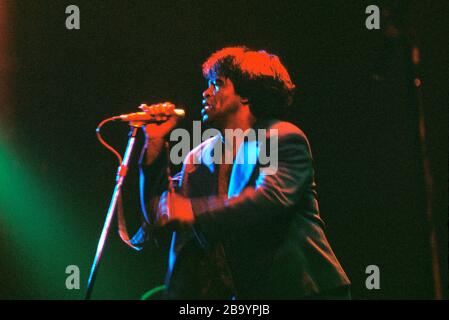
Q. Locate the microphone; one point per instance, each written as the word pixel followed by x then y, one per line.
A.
pixel 147 117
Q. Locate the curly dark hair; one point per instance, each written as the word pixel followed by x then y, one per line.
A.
pixel 257 76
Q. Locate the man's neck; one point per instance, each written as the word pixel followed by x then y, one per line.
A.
pixel 242 120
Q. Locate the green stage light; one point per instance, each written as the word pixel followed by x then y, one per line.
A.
pixel 37 221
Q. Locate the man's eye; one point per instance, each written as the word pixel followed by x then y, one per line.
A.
pixel 217 84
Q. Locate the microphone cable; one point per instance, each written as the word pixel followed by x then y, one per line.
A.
pixel 104 143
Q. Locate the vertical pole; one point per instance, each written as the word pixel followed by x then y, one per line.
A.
pixel 113 204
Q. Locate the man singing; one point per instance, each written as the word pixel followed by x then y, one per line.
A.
pixel 238 230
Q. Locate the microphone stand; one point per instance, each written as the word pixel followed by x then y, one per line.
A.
pixel 121 173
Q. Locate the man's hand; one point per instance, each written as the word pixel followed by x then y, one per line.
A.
pixel 179 209
pixel 163 112
pixel 156 132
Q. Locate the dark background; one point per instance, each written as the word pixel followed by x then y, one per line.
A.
pixel 355 103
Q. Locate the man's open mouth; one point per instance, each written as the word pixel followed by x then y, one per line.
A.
pixel 206 108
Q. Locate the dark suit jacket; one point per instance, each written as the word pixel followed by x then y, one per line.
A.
pixel 268 228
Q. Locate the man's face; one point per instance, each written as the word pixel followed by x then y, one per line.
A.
pixel 219 101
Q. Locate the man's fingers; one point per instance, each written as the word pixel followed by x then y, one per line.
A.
pixel 164 108
pixel 160 111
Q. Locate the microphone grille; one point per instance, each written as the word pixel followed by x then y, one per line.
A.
pixel 180 112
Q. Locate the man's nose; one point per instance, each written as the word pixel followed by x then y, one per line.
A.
pixel 208 92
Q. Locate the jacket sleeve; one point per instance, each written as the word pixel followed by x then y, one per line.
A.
pixel 153 184
pixel 216 218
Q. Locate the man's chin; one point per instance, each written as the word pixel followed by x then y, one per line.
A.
pixel 207 119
